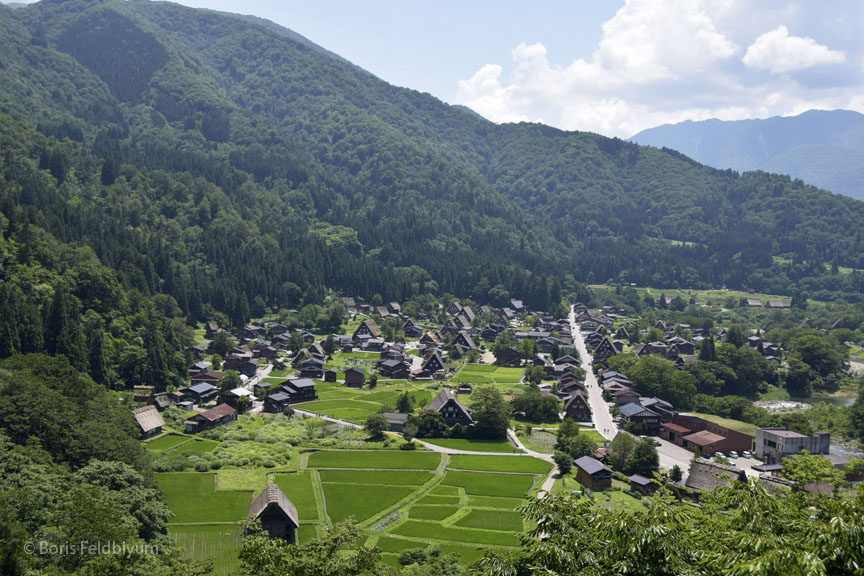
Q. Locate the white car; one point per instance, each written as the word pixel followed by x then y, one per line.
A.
pixel 719 455
pixel 747 454
pixel 733 454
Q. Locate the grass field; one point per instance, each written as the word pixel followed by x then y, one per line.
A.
pixel 192 498
pixel 436 531
pixel 736 425
pixel 250 479
pixel 382 459
pixel 499 464
pixel 485 374
pixel 362 501
pixel 301 491
pixel 166 442
pixel 473 445
pixel 488 484
pixel 384 477
pixel 507 520
pixel 593 434
pixel 423 512
pixel 221 544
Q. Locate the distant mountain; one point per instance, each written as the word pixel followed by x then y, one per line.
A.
pixel 822 147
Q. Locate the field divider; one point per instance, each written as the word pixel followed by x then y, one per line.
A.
pixel 422 491
pixel 320 498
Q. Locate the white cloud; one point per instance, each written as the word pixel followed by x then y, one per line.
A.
pixel 664 61
pixel 779 52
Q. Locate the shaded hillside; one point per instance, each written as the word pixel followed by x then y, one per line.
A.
pixel 823 148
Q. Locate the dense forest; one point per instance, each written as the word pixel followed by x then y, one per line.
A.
pixel 162 166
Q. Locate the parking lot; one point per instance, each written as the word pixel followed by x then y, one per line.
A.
pixel 672 454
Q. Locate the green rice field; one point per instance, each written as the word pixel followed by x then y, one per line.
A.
pixel 499 464
pixel 488 484
pixel 383 459
pixel 192 498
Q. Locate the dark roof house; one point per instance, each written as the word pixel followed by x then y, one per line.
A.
pixel 277 514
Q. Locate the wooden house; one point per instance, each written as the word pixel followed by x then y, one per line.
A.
pixel 395 369
pixel 642 485
pixel 275 403
pixel 446 404
pixel 200 393
pixel 149 421
pixel 605 350
pixel 577 407
pixel 592 473
pixel 355 377
pixel 300 390
pixel 367 328
pixel 221 414
pixel 277 514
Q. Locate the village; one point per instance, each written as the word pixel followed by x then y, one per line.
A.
pixel 414 396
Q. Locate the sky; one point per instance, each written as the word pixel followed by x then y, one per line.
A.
pixel 609 66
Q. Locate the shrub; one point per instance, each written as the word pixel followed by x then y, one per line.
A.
pixel 408 446
pixel 202 467
pixel 269 464
pixel 619 476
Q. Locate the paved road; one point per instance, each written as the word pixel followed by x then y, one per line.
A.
pixel 671 454
pixel 600 414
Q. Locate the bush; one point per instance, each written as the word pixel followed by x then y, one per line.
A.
pixel 269 464
pixel 202 467
pixel 619 476
pixel 415 556
pixel 408 446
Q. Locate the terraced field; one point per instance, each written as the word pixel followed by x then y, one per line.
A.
pixel 465 504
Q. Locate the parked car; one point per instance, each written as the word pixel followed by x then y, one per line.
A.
pixel 733 454
pixel 747 454
pixel 657 443
pixel 719 455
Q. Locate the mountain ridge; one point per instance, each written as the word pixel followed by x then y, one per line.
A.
pixel 414 182
pixel 822 147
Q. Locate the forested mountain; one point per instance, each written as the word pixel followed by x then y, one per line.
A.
pixel 822 147
pixel 162 165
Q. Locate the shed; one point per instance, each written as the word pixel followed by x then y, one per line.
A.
pixel 592 473
pixel 641 484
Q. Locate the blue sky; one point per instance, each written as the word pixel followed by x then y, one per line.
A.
pixel 613 67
